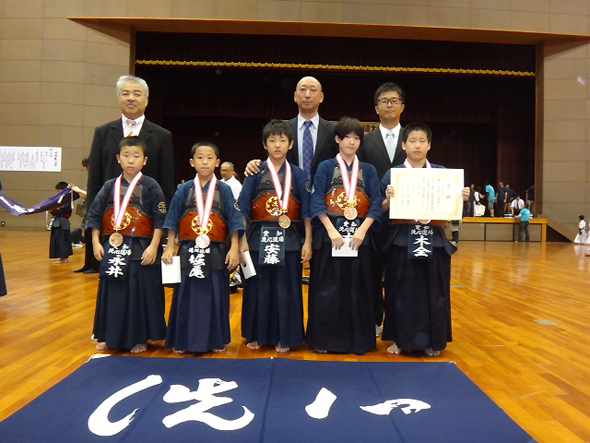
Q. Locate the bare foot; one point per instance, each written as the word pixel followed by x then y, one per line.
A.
pixel 393 349
pixel 253 345
pixel 219 350
pixel 279 349
pixel 101 346
pixel 178 351
pixel 60 261
pixel 138 348
pixel 432 353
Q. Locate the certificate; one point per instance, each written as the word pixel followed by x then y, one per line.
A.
pixel 426 194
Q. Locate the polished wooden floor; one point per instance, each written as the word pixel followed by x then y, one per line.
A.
pixel 521 314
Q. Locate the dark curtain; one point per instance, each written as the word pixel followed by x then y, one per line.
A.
pixel 483 124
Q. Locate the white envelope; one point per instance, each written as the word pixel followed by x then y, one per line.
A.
pixel 345 250
pixel 248 269
pixel 171 273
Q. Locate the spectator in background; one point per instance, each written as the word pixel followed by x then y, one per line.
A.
pixel 529 196
pixel 501 198
pixel 228 176
pixel 516 206
pixel 491 198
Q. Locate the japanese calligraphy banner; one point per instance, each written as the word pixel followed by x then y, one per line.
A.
pixel 131 399
pixel 426 194
pixel 30 158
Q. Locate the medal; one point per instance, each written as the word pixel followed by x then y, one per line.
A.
pixel 284 221
pixel 350 213
pixel 424 222
pixel 202 241
pixel 116 240
pixel 282 194
pixel 204 210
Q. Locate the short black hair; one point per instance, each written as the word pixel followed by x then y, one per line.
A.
pixel 387 87
pixel 204 143
pixel 132 141
pixel 349 125
pixel 416 126
pixel 86 162
pixel 276 127
pixel 61 186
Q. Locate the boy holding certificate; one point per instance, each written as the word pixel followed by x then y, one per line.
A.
pixel 345 203
pixel 418 266
pixel 129 211
pixel 205 216
pixel 275 207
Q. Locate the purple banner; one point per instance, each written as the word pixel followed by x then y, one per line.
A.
pixel 55 201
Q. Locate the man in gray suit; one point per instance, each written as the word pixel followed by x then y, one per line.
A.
pixel 383 146
pixel 310 131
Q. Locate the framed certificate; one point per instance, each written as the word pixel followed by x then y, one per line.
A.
pixel 426 194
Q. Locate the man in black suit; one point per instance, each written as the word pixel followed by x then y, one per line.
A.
pixel 319 133
pixel 133 95
pixel 383 149
pixel 383 146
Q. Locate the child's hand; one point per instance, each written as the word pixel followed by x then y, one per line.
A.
pixel 337 240
pixel 357 239
pixel 98 250
pixel 390 192
pixel 244 246
pixel 149 255
pixel 168 255
pixel 306 252
pixel 232 259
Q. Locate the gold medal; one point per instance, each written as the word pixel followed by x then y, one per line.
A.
pixel 284 221
pixel 424 222
pixel 350 213
pixel 203 241
pixel 116 240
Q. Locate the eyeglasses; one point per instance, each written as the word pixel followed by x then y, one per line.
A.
pixel 386 101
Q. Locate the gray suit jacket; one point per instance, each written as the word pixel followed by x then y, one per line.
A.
pixel 325 147
pixel 374 151
pixel 105 147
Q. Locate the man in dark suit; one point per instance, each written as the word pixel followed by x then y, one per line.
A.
pixel 383 146
pixel 133 95
pixel 313 136
pixel 383 149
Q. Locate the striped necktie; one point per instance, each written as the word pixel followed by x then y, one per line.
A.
pixel 307 149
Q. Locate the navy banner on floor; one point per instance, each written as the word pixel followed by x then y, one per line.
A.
pixel 131 399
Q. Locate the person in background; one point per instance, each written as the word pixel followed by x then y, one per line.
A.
pixel 491 198
pixel 581 236
pixel 516 206
pixel 525 217
pixel 228 176
pixel 529 196
pixel 60 243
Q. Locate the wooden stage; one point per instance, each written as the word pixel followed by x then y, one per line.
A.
pixel 521 314
pixel 501 229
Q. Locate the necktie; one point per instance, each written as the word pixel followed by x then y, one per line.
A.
pixel 130 126
pixel 390 145
pixel 307 149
